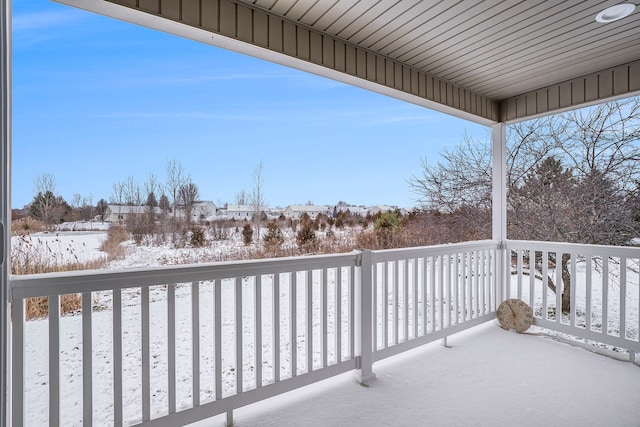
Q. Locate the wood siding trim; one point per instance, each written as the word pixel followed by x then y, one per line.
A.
pixel 257 27
pixel 612 83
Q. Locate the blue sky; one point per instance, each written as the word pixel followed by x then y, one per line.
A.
pixel 97 100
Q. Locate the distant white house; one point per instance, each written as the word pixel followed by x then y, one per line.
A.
pixel 203 210
pixel 120 213
pixel 355 210
pixel 296 211
pixel 240 212
pixel 386 208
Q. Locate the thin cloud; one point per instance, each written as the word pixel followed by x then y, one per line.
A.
pixel 44 20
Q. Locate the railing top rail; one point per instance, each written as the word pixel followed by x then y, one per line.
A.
pixel 98 280
pixel 446 249
pixel 577 248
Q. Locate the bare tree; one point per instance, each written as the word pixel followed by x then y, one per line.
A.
pixel 188 195
pixel 46 206
pixel 101 208
pixel 572 177
pixel 241 198
pixel 176 177
pixel 256 198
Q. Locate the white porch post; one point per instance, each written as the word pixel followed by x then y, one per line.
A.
pixel 364 320
pixel 5 202
pixel 499 202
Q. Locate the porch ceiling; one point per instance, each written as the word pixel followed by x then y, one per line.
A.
pixel 488 61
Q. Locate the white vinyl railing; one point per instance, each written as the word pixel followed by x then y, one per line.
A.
pixel 425 294
pixel 249 331
pixel 604 285
pixel 171 346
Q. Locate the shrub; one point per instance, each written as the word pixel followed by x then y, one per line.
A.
pixel 273 238
pixel 197 238
pixel 387 220
pixel 247 234
pixel 220 230
pixel 306 238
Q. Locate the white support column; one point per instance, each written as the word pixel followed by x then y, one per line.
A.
pixel 364 320
pixel 499 205
pixel 5 202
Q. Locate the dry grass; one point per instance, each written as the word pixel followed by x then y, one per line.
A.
pixel 27 225
pixel 113 245
pixel 31 256
pixel 37 308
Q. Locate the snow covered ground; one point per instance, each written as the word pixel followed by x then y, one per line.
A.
pixel 489 377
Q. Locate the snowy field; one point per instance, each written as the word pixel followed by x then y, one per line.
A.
pixel 471 375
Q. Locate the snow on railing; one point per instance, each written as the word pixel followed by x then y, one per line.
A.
pixel 603 302
pixel 425 294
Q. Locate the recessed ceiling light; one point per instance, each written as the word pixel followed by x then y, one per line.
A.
pixel 616 12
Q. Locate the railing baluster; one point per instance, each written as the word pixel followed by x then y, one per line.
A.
pixel 424 297
pixel 17 362
pixel 519 270
pixel 476 280
pixel 146 365
pixel 238 333
pixel 325 314
pixel 545 279
pixel 441 291
pixel 464 282
pixel 405 298
pixel 605 294
pixel 352 311
pixel 483 279
pixel 414 309
pixel 588 293
pixel 54 360
pixel 195 340
pixel 258 328
pixel 396 301
pixel 532 277
pixel 376 295
pixel 572 289
pixel 309 338
pixel 117 357
pixel 456 290
pixel 449 289
pixel 293 322
pixel 87 360
pixel 559 286
pixel 171 345
pixel 276 327
pixel 385 302
pixel 338 323
pixel 432 293
pixel 217 286
pixel 623 297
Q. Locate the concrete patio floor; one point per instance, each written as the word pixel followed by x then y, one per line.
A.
pixel 488 377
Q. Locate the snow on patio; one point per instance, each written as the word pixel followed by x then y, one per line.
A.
pixel 489 377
